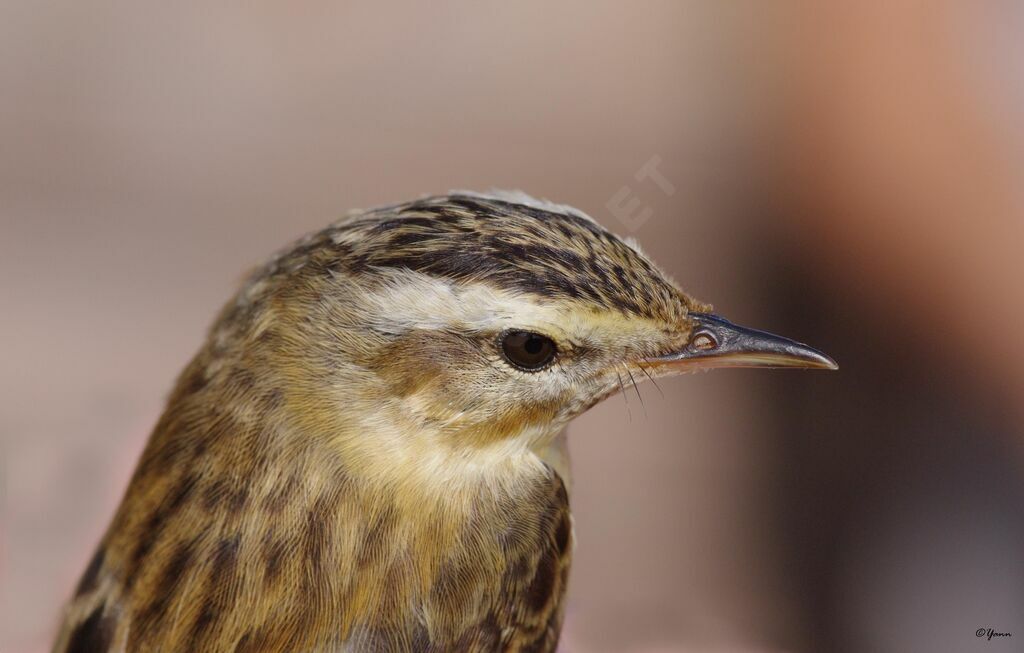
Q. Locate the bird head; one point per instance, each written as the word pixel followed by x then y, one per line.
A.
pixel 467 326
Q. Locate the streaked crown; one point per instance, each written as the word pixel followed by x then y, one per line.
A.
pixel 510 241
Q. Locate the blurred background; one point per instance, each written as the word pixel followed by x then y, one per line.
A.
pixel 848 174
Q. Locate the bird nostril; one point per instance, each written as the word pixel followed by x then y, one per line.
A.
pixel 703 342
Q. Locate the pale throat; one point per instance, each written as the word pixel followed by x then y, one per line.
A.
pixel 384 444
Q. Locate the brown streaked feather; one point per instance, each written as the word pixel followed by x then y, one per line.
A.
pixel 177 572
pixel 520 607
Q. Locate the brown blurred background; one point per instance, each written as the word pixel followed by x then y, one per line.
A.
pixel 848 174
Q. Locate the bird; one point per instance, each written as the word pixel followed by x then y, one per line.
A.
pixel 368 453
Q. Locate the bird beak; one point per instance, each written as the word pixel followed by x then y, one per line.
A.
pixel 716 342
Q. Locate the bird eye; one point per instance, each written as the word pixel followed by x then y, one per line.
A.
pixel 527 350
pixel 703 342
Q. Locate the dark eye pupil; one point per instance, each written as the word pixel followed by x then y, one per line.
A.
pixel 528 350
